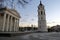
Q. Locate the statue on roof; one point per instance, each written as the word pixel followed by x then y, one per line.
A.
pixel 1 3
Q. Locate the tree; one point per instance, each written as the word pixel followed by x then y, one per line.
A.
pixel 13 3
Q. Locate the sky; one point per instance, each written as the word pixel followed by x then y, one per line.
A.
pixel 29 12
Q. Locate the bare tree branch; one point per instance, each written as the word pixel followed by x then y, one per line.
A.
pixel 24 1
pixel 12 2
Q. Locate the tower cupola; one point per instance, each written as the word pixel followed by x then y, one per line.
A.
pixel 40 5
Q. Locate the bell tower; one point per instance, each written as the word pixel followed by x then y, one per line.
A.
pixel 41 18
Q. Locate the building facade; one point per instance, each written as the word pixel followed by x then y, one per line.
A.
pixel 41 18
pixel 9 20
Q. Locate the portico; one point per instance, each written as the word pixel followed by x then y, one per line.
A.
pixel 9 20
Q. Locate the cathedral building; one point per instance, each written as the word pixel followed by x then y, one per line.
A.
pixel 41 18
pixel 9 20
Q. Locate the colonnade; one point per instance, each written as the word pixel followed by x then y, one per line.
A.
pixel 10 23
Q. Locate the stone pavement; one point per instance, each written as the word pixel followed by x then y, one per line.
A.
pixel 35 36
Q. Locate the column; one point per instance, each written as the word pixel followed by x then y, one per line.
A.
pixel 11 24
pixel 4 21
pixel 18 24
pixel 8 22
pixel 15 25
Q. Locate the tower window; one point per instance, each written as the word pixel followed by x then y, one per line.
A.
pixel 41 12
pixel 40 26
pixel 44 13
pixel 41 18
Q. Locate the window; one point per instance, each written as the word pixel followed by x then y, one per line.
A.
pixel 44 13
pixel 38 13
pixel 41 18
pixel 41 13
pixel 40 26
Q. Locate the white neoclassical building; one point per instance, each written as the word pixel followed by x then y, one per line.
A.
pixel 41 18
pixel 9 20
